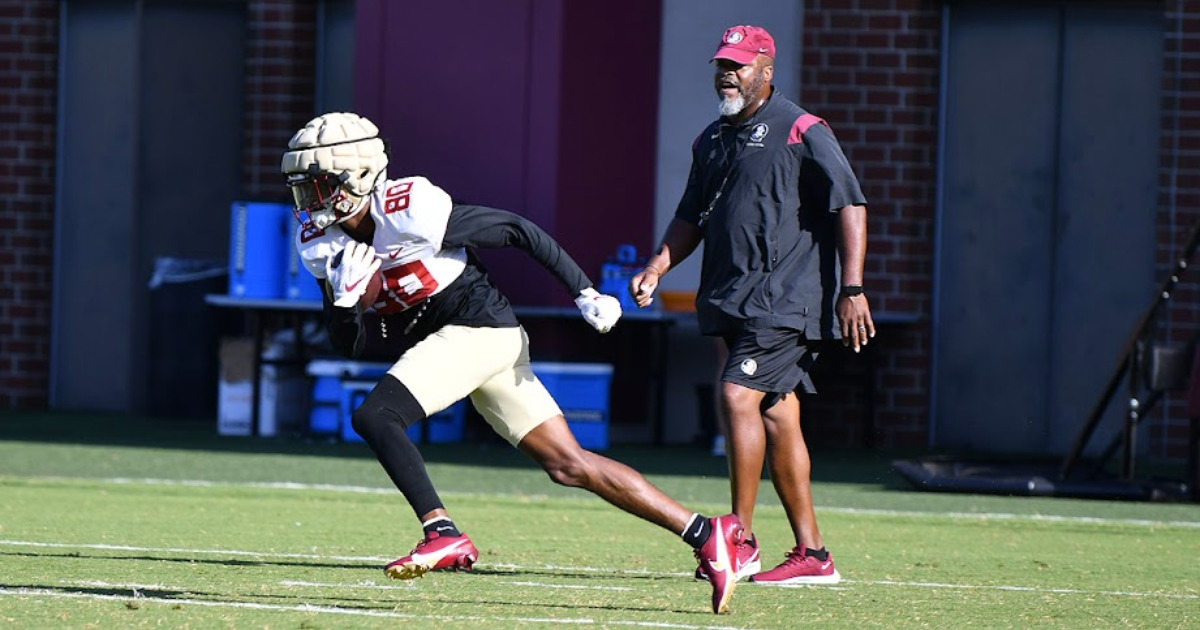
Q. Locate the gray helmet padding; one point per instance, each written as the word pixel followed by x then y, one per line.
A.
pixel 337 143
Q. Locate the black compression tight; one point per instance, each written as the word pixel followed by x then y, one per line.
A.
pixel 381 420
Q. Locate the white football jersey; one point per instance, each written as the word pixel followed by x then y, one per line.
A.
pixel 410 224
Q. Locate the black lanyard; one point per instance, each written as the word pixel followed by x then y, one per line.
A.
pixel 737 151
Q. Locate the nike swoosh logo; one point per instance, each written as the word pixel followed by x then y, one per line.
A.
pixel 699 525
pixel 825 566
pixel 718 563
pixel 441 554
pixel 350 287
pixel 393 255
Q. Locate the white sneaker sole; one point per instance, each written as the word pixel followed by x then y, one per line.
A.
pixel 805 579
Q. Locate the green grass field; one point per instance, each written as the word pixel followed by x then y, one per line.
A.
pixel 109 522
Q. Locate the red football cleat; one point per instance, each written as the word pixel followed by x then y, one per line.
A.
pixel 434 553
pixel 799 568
pixel 748 562
pixel 718 559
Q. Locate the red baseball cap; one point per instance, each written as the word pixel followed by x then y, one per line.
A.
pixel 743 43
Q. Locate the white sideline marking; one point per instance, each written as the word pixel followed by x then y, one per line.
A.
pixel 1002 516
pixel 410 585
pixel 557 567
pixel 219 552
pixel 1021 589
pixel 609 571
pixel 129 585
pixel 292 485
pixel 573 586
pixel 405 585
pixel 161 587
pixel 583 621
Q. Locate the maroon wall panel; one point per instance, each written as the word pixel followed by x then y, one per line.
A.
pixel 514 104
pixel 609 126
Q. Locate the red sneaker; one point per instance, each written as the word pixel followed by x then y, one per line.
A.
pixel 799 568
pixel 718 559
pixel 748 562
pixel 434 553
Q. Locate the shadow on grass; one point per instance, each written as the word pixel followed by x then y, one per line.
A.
pixel 167 596
pixel 226 562
pixel 836 466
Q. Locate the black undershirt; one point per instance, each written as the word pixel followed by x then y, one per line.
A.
pixel 471 300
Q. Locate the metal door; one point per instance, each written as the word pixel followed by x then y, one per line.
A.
pixel 1046 220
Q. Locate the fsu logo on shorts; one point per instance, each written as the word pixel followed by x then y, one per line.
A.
pixel 749 367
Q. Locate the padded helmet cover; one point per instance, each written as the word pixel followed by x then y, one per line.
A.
pixel 338 143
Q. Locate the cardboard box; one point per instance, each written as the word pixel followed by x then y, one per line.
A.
pixel 282 394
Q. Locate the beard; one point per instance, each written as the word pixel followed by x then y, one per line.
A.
pixel 732 106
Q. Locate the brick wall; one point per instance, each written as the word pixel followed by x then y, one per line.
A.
pixel 870 68
pixel 28 98
pixel 280 88
pixel 1179 202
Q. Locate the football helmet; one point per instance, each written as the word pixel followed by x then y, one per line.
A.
pixel 332 164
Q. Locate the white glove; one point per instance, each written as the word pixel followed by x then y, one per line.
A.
pixel 601 311
pixel 349 272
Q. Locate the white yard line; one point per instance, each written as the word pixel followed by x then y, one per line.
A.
pixel 409 584
pixel 178 550
pixel 1005 516
pixel 402 585
pixel 1024 589
pixel 579 621
pixel 580 587
pixel 572 569
pixel 290 485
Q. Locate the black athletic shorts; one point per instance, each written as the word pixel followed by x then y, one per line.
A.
pixel 772 360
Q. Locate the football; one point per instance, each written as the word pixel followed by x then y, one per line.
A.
pixel 371 295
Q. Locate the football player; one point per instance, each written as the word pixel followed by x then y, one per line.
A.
pixel 402 247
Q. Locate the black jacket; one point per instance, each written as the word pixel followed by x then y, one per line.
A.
pixel 766 194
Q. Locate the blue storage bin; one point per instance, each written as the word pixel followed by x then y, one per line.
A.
pixel 257 249
pixel 582 391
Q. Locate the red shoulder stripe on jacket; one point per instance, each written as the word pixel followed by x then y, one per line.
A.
pixel 801 125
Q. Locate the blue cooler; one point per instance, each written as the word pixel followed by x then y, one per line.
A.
pixel 442 427
pixel 257 243
pixel 339 387
pixel 582 391
pixel 446 426
pixel 327 414
pixel 353 395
